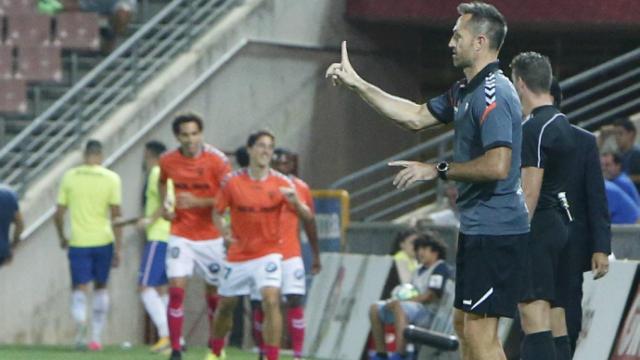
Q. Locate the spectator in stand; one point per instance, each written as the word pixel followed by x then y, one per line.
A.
pixel 9 213
pixel 625 132
pixel 119 13
pixel 622 209
pixel 430 280
pixel 404 254
pixel 612 169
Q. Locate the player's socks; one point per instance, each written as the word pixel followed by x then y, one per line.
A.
pixel 175 316
pixel 563 347
pixel 295 320
pixel 271 352
pixel 212 305
pixel 100 310
pixel 538 346
pixel 156 310
pixel 258 319
pixel 217 345
pixel 79 307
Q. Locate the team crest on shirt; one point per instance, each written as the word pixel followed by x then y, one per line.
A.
pixel 299 274
pixel 175 252
pixel 271 267
pixel 214 268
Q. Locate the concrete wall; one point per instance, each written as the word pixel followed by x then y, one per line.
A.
pixel 279 87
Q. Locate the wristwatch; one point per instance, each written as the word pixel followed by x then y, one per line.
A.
pixel 443 169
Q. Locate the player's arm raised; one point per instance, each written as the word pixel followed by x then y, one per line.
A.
pixel 402 112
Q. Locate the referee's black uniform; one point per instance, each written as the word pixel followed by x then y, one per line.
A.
pixel 548 143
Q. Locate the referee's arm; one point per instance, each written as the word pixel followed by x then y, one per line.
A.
pixel 531 184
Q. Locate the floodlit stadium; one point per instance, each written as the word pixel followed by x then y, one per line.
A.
pixel 319 179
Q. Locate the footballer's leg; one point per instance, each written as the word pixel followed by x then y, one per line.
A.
pixel 102 260
pixel 377 329
pixel 152 281
pixel 295 323
pixel 222 324
pixel 272 321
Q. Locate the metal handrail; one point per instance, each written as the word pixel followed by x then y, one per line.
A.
pixel 364 182
pixel 109 84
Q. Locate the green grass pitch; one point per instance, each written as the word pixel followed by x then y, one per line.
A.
pixel 110 352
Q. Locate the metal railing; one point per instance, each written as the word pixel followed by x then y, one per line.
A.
pixel 609 90
pixel 113 82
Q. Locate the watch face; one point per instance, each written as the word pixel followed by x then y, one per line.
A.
pixel 443 166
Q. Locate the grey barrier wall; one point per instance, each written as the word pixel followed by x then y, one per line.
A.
pixel 378 237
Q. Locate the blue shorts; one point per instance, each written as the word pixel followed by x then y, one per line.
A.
pixel 152 267
pixel 90 264
pixel 416 313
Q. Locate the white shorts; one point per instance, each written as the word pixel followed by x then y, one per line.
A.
pixel 293 279
pixel 239 278
pixel 205 256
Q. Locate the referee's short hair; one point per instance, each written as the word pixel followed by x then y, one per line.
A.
pixel 486 19
pixel 155 147
pixel 626 123
pixel 428 240
pixel 93 147
pixel 556 92
pixel 534 69
pixel 186 118
pixel 253 138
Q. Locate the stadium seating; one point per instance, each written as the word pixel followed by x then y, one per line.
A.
pixel 33 47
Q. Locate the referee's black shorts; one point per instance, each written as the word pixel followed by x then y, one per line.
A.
pixel 547 274
pixel 489 273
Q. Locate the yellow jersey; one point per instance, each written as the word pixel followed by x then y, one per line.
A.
pixel 159 229
pixel 89 191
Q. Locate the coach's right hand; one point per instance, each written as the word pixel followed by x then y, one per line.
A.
pixel 343 72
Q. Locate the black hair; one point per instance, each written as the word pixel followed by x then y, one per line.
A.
pixel 282 154
pixel 401 237
pixel 186 118
pixel 253 138
pixel 155 147
pixel 626 123
pixel 486 19
pixel 617 157
pixel 431 241
pixel 242 156
pixel 534 69
pixel 93 147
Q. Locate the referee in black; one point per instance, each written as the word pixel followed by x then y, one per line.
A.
pixel 486 113
pixel 590 232
pixel 548 150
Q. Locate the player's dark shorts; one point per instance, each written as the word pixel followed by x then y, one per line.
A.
pixel 489 273
pixel 90 264
pixel 153 271
pixel 547 274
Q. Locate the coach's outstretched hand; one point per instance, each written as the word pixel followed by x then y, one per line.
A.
pixel 342 72
pixel 413 171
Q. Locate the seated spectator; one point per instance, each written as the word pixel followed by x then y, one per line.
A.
pixel 622 208
pixel 625 134
pixel 430 280
pixel 119 13
pixel 612 169
pixel 404 255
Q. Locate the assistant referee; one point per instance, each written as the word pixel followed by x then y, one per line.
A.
pixel 548 149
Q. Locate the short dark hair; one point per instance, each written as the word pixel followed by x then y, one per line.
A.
pixel 93 147
pixel 186 118
pixel 155 147
pixel 534 69
pixel 242 156
pixel 431 241
pixel 401 237
pixel 282 154
pixel 257 135
pixel 486 19
pixel 626 123
pixel 617 157
pixel 556 92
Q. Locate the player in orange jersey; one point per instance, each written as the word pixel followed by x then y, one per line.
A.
pixel 256 197
pixel 195 243
pixel 293 273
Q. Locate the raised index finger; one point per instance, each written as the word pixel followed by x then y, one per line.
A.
pixel 345 55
